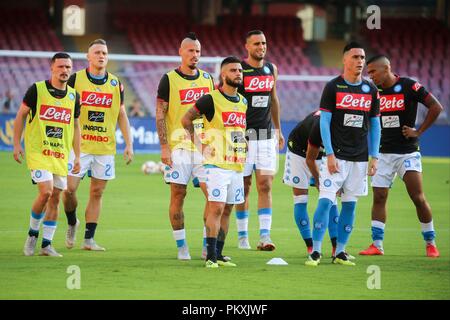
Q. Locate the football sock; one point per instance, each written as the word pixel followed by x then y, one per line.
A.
pixel 48 231
pixel 265 221
pixel 321 217
pixel 345 225
pixel 211 249
pixel 428 232
pixel 378 233
pixel 180 237
pixel 71 217
pixel 301 216
pixel 333 222
pixel 90 230
pixel 242 223
pixel 35 223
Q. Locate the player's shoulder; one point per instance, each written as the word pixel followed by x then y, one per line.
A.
pixel 242 99
pixel 335 83
pixel 410 83
pixel 204 74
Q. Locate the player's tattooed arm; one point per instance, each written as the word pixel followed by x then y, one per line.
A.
pixel 161 110
pixel 434 109
pixel 187 122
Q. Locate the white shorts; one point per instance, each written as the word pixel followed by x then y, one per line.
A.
pixel 390 165
pixel 99 166
pixel 224 185
pixel 296 172
pixel 59 182
pixel 261 155
pixel 351 178
pixel 186 164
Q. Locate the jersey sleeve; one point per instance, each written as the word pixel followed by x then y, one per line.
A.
pixel 164 88
pixel 77 106
pixel 30 98
pixel 375 107
pixel 328 100
pixel 122 93
pixel 71 81
pixel 314 137
pixel 418 91
pixel 205 106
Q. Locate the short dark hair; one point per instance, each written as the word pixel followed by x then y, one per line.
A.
pixel 352 45
pixel 253 32
pixel 191 35
pixel 376 58
pixel 61 55
pixel 228 60
pixel 97 41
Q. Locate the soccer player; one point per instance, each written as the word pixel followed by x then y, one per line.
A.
pixel 102 109
pixel 259 88
pixel 399 150
pixel 224 150
pixel 302 161
pixel 51 109
pixel 178 90
pixel 350 109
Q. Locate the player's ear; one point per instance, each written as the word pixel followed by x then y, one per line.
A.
pixel 179 51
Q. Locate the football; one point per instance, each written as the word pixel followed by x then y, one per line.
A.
pixel 150 167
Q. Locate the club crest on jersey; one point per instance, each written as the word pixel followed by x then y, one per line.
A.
pixel 353 101
pixel 365 88
pixel 71 96
pixel 113 82
pixel 398 88
pixel 206 75
pixel 266 70
pixel 189 96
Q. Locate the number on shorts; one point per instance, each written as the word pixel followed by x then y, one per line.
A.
pixel 239 194
pixel 108 170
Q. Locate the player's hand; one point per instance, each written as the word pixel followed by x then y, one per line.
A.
pixel 128 154
pixel 208 151
pixel 373 165
pixel 409 132
pixel 280 138
pixel 18 153
pixel 166 155
pixel 76 166
pixel 332 164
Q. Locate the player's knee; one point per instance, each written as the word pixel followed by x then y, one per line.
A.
pixel 45 194
pixel 97 192
pixel 178 194
pixel 380 197
pixel 264 186
pixel 419 200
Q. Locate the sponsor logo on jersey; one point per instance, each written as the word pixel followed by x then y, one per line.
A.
pixel 416 86
pixel 54 132
pixel 353 120
pixel 234 119
pixel 259 83
pixel 54 154
pixel 55 114
pixel 189 96
pixel 94 128
pixel 392 102
pixel 390 121
pixel 353 101
pixel 91 137
pixel 97 99
pixel 96 116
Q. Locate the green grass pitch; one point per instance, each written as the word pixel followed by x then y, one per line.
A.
pixel 140 261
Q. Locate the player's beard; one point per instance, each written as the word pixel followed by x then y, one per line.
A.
pixel 233 83
pixel 257 57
